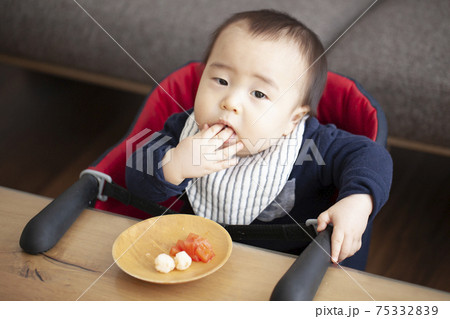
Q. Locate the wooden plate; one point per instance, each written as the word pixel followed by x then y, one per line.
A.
pixel 136 248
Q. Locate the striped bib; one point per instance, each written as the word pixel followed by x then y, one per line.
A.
pixel 237 195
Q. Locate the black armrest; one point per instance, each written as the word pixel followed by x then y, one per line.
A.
pixel 303 278
pixel 45 229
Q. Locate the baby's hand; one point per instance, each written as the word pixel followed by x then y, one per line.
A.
pixel 349 217
pixel 201 154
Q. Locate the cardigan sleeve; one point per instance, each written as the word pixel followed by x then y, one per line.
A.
pixel 144 174
pixel 355 165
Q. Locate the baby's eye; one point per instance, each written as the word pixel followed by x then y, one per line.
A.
pixel 221 81
pixel 258 94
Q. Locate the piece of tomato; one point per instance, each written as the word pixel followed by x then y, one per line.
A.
pixel 180 245
pixel 204 253
pixel 190 247
pixel 192 236
pixel 197 247
pixel 174 250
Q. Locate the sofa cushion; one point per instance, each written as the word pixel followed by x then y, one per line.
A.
pixel 399 52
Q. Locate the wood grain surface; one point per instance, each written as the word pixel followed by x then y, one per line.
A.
pixel 81 267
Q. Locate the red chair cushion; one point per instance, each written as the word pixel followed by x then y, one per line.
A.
pixel 344 105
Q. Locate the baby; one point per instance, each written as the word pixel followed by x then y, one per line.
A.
pixel 236 155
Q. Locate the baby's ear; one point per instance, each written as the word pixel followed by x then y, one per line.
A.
pixel 297 115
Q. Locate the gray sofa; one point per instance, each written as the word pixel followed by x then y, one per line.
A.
pixel 397 49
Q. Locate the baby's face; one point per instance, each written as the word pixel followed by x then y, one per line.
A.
pixel 250 84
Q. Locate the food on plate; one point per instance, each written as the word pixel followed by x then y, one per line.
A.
pixel 182 260
pixel 193 248
pixel 197 247
pixel 164 263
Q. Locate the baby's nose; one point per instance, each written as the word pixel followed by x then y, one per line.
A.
pixel 231 104
pixel 231 108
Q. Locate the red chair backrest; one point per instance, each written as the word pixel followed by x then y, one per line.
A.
pixel 176 93
pixel 347 105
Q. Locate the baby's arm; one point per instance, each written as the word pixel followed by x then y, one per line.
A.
pixel 362 172
pixel 200 155
pixel 143 172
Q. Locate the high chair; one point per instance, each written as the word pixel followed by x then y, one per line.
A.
pixel 102 185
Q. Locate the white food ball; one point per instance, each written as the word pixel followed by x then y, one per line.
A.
pixel 182 260
pixel 164 263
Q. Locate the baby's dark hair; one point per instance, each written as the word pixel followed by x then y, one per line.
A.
pixel 272 25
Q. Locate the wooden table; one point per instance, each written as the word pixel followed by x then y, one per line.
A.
pixel 81 267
